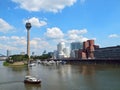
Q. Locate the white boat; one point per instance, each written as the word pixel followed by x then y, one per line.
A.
pixel 31 80
pixel 31 64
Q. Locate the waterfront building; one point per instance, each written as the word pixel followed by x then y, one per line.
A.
pixel 55 54
pixel 8 53
pixel 62 51
pixel 60 48
pixel 66 51
pixel 107 53
pixel 88 50
pixel 75 46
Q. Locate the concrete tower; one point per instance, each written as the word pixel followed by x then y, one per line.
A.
pixel 28 26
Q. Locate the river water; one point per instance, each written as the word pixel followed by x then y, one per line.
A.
pixel 62 77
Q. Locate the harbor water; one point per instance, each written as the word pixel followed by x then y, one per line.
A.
pixel 62 77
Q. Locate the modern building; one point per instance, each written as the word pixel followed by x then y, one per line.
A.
pixel 8 53
pixel 62 51
pixel 75 46
pixel 60 47
pixel 66 51
pixel 55 54
pixel 88 50
pixel 107 53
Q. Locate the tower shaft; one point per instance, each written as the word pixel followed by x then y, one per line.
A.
pixel 28 43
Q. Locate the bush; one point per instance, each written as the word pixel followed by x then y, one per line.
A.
pixel 5 63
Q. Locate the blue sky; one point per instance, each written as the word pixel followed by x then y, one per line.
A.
pixel 58 20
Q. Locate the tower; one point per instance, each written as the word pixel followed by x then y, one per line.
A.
pixel 28 26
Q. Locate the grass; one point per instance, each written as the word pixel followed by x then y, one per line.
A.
pixel 6 63
pixel 14 64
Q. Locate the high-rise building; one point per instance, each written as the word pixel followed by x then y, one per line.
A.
pixel 8 53
pixel 66 51
pixel 62 51
pixel 60 47
pixel 75 46
pixel 88 50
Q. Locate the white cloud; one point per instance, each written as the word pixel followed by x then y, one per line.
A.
pixel 18 44
pixel 36 22
pixel 75 31
pixel 76 35
pixel 82 1
pixel 113 36
pixel 4 38
pixel 38 45
pixel 7 47
pixel 54 33
pixel 44 5
pixel 4 26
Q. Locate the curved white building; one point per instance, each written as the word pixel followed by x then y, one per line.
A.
pixel 62 50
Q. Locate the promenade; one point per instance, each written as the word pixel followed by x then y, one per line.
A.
pixel 92 61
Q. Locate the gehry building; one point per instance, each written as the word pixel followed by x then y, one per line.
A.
pixel 87 52
pixel 62 51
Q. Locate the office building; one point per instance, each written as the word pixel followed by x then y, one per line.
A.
pixel 75 46
pixel 107 53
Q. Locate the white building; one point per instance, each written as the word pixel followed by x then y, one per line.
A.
pixel 55 54
pixel 66 51
pixel 63 52
pixel 60 47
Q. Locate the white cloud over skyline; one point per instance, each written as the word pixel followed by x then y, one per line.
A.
pixel 15 43
pixel 54 33
pixel 54 21
pixel 113 36
pixel 5 27
pixel 44 5
pixel 77 35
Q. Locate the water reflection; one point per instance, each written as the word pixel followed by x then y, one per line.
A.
pixel 32 87
pixel 62 77
pixel 87 69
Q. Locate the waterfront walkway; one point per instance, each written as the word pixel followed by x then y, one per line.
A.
pixel 92 61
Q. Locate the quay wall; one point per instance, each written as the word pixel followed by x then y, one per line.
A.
pixel 92 61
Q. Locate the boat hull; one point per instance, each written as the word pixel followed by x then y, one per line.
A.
pixel 32 82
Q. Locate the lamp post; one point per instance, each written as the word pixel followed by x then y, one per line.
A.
pixel 28 26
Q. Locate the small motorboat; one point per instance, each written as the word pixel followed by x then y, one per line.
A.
pixel 32 64
pixel 31 80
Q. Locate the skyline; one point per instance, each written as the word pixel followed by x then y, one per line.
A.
pixel 55 21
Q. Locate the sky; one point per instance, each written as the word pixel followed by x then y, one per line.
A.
pixel 54 21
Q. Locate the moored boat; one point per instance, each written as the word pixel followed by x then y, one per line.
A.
pixel 31 80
